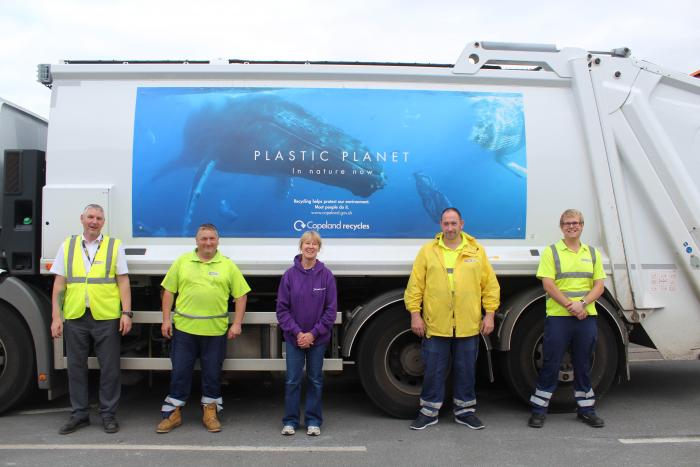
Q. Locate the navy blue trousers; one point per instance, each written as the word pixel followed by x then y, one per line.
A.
pixel 436 352
pixel 184 351
pixel 560 333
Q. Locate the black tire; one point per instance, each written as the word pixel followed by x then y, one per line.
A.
pixel 522 363
pixel 16 359
pixel 390 363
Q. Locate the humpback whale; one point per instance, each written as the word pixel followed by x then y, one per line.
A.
pixel 227 137
pixel 500 129
pixel 434 200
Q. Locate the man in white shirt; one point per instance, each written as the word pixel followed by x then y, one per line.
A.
pixel 91 293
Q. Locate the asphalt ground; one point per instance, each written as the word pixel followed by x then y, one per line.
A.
pixel 654 419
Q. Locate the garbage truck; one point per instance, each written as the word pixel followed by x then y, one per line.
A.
pixel 367 154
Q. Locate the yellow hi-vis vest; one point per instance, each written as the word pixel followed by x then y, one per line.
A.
pixel 100 284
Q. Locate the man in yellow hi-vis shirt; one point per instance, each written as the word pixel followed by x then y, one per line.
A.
pixel 572 275
pixel 204 279
pixel 91 292
pixel 451 281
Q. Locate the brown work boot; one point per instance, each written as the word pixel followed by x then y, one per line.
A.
pixel 169 424
pixel 209 419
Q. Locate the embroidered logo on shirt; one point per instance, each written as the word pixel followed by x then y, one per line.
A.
pixel 318 289
pixel 470 260
pixel 97 262
pixel 213 273
pixel 586 260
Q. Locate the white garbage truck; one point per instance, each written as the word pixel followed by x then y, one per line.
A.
pixel 368 154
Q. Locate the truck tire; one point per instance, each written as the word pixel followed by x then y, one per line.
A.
pixel 390 363
pixel 522 363
pixel 16 359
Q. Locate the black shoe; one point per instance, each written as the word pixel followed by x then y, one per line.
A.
pixel 73 424
pixel 592 419
pixel 471 420
pixel 423 421
pixel 536 420
pixel 110 425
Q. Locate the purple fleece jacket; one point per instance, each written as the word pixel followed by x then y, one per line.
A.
pixel 307 302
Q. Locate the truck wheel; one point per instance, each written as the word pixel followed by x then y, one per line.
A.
pixel 390 363
pixel 524 360
pixel 16 359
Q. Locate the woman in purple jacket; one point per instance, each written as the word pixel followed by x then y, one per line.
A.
pixel 306 309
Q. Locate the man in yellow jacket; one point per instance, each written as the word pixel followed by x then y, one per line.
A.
pixel 451 281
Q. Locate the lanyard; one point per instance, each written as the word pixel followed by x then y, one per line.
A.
pixel 87 255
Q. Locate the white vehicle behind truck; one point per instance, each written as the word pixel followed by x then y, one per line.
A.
pixel 24 337
pixel 369 154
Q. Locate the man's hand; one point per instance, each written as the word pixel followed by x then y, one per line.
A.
pixel 166 329
pixel 125 325
pixel 487 324
pixel 417 325
pixel 577 309
pixel 56 328
pixel 234 331
pixel 59 287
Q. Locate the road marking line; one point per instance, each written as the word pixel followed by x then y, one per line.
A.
pixel 677 439
pixel 42 411
pixel 151 447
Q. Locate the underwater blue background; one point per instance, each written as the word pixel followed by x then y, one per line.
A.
pixel 193 162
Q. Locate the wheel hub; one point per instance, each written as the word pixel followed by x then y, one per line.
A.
pixel 566 369
pixel 411 360
pixel 403 363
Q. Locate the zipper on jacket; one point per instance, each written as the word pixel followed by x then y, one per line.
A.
pixel 454 317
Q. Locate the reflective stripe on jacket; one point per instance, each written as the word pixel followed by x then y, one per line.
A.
pixel 574 274
pixel 100 284
pixel 429 289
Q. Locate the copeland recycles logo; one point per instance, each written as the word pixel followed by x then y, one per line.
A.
pixel 300 225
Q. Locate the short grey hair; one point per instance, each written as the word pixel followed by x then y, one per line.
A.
pixel 93 206
pixel 208 226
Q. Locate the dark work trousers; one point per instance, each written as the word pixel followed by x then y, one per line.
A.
pixel 184 351
pixel 437 352
pixel 107 342
pixel 560 334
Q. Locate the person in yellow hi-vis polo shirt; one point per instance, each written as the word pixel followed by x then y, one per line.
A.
pixel 91 292
pixel 204 279
pixel 572 275
pixel 452 279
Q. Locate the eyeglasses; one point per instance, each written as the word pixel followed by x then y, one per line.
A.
pixel 571 224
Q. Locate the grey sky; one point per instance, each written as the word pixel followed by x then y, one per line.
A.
pixel 47 31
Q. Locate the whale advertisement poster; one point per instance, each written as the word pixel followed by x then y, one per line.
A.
pixel 350 163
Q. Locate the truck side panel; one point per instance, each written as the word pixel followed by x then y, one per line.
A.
pixel 653 141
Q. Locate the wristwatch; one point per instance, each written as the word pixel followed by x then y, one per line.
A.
pixel 583 301
pixel 130 314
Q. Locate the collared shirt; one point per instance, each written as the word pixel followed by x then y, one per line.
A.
pixel 451 256
pixel 574 287
pixel 203 289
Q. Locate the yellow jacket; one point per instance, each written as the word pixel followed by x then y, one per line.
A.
pixel 475 284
